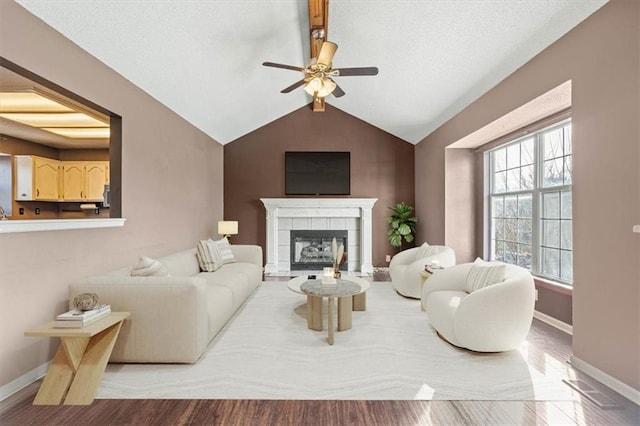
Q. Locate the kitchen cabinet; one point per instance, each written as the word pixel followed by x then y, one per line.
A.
pixel 84 180
pixel 45 179
pixel 37 178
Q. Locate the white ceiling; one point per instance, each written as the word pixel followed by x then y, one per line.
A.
pixel 202 58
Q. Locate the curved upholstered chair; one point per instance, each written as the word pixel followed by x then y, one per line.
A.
pixel 405 267
pixel 484 318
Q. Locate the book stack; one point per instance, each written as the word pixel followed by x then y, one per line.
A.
pixel 77 318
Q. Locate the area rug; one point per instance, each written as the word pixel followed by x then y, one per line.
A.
pixel 391 353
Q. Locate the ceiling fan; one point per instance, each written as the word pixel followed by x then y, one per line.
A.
pixel 318 75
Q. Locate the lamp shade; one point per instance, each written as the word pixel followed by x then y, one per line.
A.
pixel 227 227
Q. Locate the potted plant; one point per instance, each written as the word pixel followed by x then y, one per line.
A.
pixel 402 224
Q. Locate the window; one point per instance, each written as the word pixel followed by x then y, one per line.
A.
pixel 530 203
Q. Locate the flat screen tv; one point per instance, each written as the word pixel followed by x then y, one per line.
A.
pixel 317 173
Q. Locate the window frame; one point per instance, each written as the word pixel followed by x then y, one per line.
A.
pixel 537 193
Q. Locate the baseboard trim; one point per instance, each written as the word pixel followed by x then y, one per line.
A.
pixel 547 319
pixel 607 380
pixel 23 381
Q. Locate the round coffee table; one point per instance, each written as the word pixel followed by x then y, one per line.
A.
pixel 346 303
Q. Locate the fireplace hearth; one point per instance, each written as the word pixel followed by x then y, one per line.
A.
pixel 311 249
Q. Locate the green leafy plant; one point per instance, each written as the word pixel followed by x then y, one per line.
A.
pixel 402 224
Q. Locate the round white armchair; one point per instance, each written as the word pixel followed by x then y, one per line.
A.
pixel 494 317
pixel 405 267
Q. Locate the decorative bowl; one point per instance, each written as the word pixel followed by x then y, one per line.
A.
pixel 85 301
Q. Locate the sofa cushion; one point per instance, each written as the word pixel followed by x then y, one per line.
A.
pixel 147 267
pixel 181 264
pixel 483 274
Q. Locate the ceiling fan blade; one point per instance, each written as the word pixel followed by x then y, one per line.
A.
pixel 342 72
pixel 327 51
pixel 338 92
pixel 293 86
pixel 286 67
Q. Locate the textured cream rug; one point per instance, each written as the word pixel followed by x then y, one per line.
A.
pixel 267 352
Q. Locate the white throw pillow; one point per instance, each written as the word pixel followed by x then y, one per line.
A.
pixel 426 250
pixel 421 253
pixel 483 274
pixel 147 267
pixel 225 254
pixel 207 256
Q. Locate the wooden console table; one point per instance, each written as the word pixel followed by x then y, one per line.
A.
pixel 77 367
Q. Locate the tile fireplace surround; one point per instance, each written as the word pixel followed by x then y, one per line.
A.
pixel 285 214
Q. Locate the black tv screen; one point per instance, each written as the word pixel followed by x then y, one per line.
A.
pixel 317 173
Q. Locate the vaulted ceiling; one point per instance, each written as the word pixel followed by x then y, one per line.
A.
pixel 202 58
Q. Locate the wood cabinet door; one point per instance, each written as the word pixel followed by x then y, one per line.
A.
pixel 95 177
pixel 73 185
pixel 46 173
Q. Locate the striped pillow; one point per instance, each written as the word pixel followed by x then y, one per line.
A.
pixel 422 251
pixel 207 256
pixel 224 251
pixel 483 274
pixel 147 267
pixel 426 250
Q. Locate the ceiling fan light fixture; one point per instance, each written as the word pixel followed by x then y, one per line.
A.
pixel 320 87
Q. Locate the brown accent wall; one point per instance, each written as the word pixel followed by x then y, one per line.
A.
pixel 382 166
pixel 601 57
pixel 171 192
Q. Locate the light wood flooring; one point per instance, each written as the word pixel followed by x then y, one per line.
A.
pixel 548 351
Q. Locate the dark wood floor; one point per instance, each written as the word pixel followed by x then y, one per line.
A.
pixel 548 351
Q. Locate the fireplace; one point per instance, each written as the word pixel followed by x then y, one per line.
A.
pixel 311 250
pixel 285 214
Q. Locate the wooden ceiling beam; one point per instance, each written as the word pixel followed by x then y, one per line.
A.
pixel 318 31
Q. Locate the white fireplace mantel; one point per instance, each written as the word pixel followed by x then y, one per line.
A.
pixel 360 208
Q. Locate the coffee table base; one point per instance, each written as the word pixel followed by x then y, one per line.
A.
pixel 314 314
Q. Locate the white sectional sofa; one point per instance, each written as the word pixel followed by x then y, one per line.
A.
pixel 173 318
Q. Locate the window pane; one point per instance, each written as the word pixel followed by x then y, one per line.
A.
pixel 551 205
pixel 526 152
pixel 511 229
pixel 511 206
pixel 552 175
pixel 553 146
pixel 566 265
pixel 524 256
pixel 551 262
pixel 499 159
pixel 513 180
pixel 526 177
pixel 565 205
pixel 498 229
pixel 500 182
pixel 497 206
pixel 510 253
pixel 551 233
pixel 566 235
pixel 513 155
pixel 524 231
pixel 568 169
pixel 524 206
pixel 499 250
pixel 568 149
